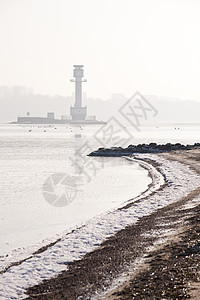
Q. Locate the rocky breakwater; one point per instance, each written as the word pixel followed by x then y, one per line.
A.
pixel 143 148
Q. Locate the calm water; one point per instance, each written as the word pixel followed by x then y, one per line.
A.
pixel 32 158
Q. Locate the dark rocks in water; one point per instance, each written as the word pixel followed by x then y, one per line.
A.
pixel 142 148
pixel 152 144
pixel 197 144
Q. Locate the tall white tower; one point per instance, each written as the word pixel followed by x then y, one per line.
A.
pixel 78 112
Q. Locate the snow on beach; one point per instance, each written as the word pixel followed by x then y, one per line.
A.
pixel 73 246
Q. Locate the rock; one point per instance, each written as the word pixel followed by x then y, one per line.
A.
pixel 142 148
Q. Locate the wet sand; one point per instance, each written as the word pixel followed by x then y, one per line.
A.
pixel 156 258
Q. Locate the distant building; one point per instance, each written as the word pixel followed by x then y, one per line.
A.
pixel 50 115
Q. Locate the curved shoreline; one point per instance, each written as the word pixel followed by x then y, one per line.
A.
pixel 38 248
pixel 158 179
pixel 106 227
pixel 152 187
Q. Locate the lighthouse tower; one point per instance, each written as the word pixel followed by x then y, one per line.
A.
pixel 78 112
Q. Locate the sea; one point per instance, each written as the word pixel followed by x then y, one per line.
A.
pixel 50 185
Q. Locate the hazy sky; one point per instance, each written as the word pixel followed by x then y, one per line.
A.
pixel 125 45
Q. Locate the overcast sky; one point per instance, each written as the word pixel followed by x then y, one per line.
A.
pixel 152 46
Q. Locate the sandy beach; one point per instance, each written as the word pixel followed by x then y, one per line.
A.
pixel 155 258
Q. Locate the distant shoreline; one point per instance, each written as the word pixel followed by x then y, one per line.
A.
pixel 46 121
pixel 143 148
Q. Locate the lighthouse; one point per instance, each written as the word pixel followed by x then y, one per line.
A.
pixel 78 112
